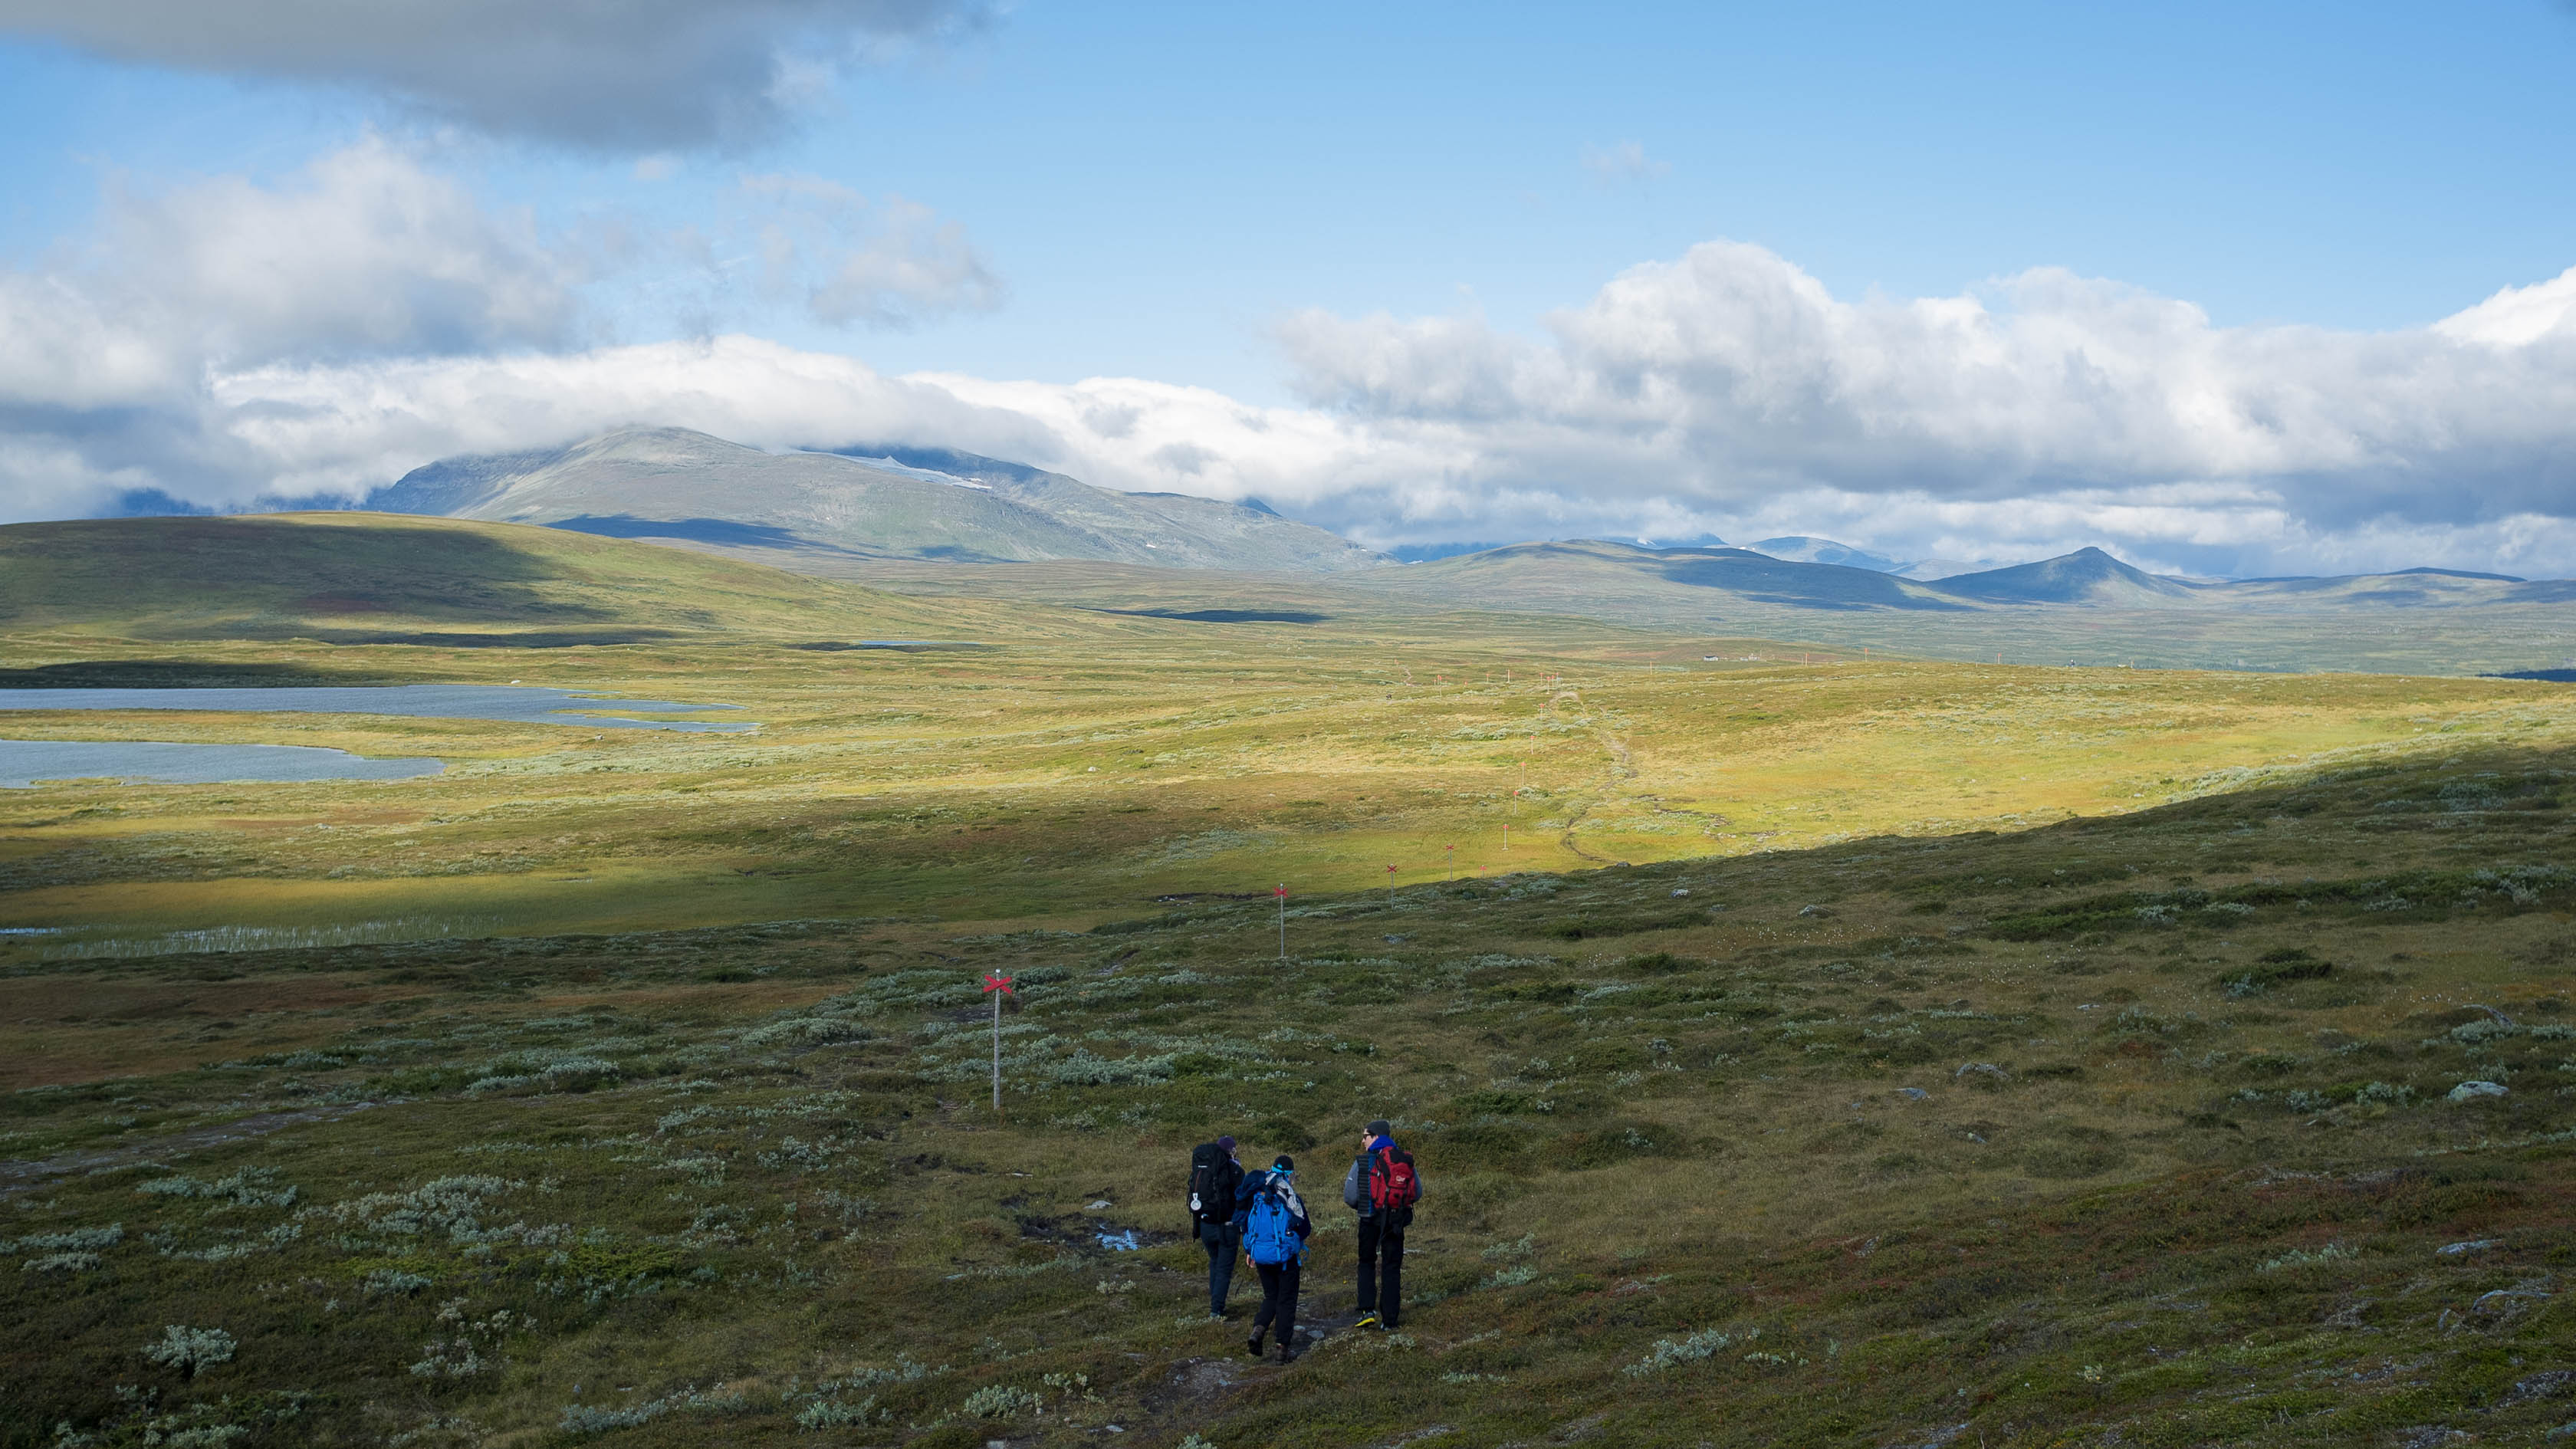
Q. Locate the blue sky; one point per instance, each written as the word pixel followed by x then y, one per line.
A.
pixel 1162 193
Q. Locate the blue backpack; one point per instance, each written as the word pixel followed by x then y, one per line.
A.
pixel 1270 1230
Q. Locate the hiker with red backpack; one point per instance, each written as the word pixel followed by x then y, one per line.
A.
pixel 1215 1177
pixel 1382 1188
pixel 1272 1221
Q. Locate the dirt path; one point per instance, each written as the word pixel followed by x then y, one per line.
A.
pixel 1567 839
pixel 18 1177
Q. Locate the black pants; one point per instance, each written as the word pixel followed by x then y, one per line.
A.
pixel 1220 1241
pixel 1383 1296
pixel 1278 1300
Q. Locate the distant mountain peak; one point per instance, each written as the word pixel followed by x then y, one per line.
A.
pixel 2086 576
pixel 643 442
pixel 681 485
pixel 1803 548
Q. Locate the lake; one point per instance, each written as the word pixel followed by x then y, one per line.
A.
pixel 528 704
pixel 24 762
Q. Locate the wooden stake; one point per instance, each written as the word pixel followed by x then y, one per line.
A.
pixel 997 986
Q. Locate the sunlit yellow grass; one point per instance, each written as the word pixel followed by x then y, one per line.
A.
pixel 1078 781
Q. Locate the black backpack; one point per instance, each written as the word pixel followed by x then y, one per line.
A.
pixel 1207 1180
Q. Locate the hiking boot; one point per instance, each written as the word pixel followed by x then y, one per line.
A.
pixel 1287 1354
pixel 1367 1320
pixel 1254 1343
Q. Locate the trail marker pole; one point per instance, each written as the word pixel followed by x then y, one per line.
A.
pixel 1282 894
pixel 1453 861
pixel 1390 882
pixel 997 987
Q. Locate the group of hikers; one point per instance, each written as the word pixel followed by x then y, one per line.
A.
pixel 1259 1214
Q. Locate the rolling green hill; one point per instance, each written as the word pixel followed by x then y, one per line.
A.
pixel 2416 622
pixel 376 578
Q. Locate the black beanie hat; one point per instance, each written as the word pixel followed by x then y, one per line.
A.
pixel 1381 1128
pixel 1285 1163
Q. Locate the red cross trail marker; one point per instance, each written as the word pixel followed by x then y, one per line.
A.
pixel 997 987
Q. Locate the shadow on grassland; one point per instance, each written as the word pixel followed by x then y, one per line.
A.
pixel 190 674
pixel 532 639
pixel 719 531
pixel 258 577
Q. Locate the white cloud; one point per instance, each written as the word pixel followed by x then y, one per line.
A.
pixel 1724 392
pixel 620 74
pixel 347 427
pixel 1729 378
pixel 849 261
pixel 365 252
pixel 107 352
pixel 2518 316
pixel 133 362
pixel 1626 161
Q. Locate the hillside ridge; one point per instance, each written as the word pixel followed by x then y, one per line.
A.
pixel 679 485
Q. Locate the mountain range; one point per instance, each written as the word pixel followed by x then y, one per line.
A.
pixel 930 522
pixel 2087 578
pixel 675 485
pixel 835 512
pixel 1800 548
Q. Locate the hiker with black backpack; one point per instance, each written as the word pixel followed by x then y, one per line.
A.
pixel 1215 1177
pixel 1272 1221
pixel 1382 1188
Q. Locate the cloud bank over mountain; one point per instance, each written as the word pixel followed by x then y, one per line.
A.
pixel 1729 377
pixel 622 75
pixel 136 361
pixel 222 340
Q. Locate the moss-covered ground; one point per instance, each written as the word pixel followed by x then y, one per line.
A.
pixel 1842 1050
pixel 2139 1130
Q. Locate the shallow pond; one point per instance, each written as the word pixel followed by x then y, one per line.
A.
pixel 24 762
pixel 528 704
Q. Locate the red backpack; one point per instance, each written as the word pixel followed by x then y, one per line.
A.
pixel 1392 1187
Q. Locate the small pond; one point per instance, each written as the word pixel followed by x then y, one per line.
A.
pixel 24 762
pixel 524 704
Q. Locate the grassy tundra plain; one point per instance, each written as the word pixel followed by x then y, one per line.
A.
pixel 1846 1051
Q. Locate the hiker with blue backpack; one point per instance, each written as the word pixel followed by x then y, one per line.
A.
pixel 1271 1219
pixel 1382 1188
